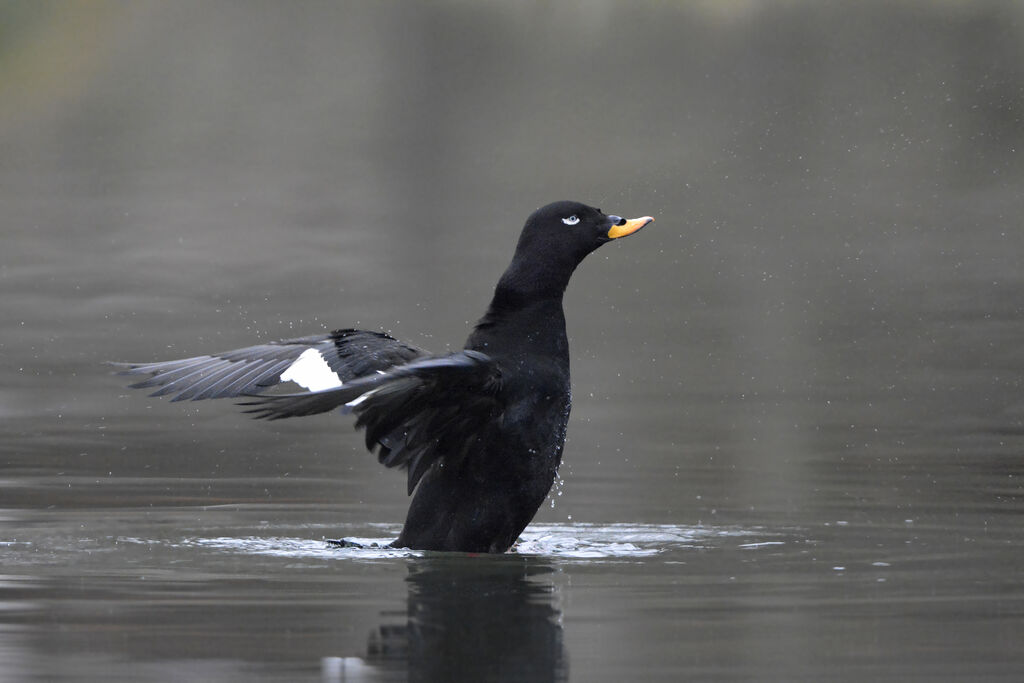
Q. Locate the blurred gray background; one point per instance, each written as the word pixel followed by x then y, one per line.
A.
pixel 833 275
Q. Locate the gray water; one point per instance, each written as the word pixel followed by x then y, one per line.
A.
pixel 796 444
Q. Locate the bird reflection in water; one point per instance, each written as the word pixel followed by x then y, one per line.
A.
pixel 467 619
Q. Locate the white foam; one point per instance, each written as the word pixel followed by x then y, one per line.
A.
pixel 311 371
pixel 570 542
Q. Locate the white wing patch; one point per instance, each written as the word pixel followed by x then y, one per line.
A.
pixel 359 399
pixel 311 371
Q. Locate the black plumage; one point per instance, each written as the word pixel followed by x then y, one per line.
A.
pixel 480 431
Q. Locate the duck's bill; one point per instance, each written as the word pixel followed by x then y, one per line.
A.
pixel 629 227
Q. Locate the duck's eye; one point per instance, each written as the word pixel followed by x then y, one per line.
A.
pixel 571 220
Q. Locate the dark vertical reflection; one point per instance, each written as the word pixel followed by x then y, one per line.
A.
pixel 473 619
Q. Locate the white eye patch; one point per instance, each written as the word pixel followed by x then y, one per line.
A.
pixel 571 220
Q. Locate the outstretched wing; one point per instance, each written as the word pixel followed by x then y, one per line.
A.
pixel 318 362
pixel 431 410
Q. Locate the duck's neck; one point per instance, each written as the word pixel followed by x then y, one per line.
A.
pixel 529 279
pixel 525 317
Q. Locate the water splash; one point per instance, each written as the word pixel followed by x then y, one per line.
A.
pixel 596 541
pixel 300 548
pixel 566 541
